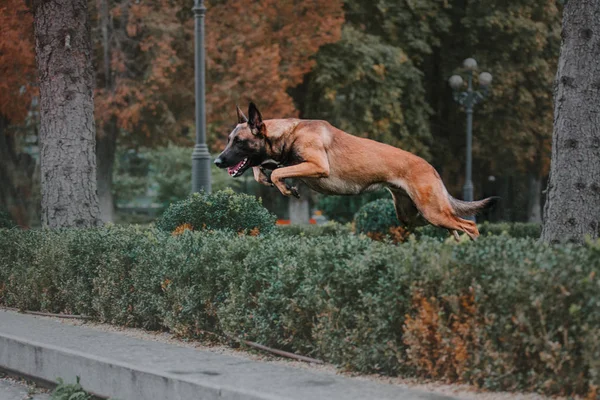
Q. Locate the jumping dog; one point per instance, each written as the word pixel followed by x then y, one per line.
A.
pixel 331 161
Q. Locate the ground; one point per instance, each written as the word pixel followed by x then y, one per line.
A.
pixel 13 389
pixel 466 392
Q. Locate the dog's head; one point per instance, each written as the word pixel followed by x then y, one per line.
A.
pixel 246 143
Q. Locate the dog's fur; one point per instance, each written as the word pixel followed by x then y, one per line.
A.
pixel 331 161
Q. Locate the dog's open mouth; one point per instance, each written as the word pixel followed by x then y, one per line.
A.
pixel 238 169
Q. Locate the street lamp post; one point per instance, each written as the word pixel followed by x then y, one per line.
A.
pixel 469 99
pixel 200 155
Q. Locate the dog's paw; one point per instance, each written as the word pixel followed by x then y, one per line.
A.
pixel 293 191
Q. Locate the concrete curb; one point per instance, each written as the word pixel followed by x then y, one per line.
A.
pixel 49 362
pixel 112 365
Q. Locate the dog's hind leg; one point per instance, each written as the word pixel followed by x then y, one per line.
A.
pixel 431 199
pixel 455 234
pixel 406 211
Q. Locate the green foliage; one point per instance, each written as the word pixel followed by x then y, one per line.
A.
pixel 330 228
pixel 513 229
pixel 65 391
pixel 376 217
pixel 163 174
pixel 369 88
pixel 343 208
pixel 6 220
pixel 504 313
pixel 431 231
pixel 220 210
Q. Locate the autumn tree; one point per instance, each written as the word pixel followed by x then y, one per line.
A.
pixel 138 93
pixel 17 87
pixel 572 209
pixel 67 130
pixel 264 54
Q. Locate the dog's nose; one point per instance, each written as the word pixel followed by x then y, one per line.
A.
pixel 218 162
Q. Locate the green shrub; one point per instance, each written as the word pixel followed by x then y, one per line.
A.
pixel 376 217
pixel 504 313
pixel 343 208
pixel 330 228
pixel 513 229
pixel 431 231
pixel 223 210
pixel 6 221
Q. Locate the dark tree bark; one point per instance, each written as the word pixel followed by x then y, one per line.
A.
pixel 572 208
pixel 67 130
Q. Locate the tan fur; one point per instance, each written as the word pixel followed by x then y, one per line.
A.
pixel 331 161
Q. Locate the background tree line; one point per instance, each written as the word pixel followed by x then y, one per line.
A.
pixel 375 68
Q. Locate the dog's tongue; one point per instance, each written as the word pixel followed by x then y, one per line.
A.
pixel 233 170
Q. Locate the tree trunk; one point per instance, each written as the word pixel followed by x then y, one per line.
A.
pixel 572 209
pixel 67 130
pixel 106 145
pixel 534 205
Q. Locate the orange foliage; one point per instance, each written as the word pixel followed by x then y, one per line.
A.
pixel 17 60
pixel 182 228
pixel 441 347
pixel 137 90
pixel 257 50
pixel 396 234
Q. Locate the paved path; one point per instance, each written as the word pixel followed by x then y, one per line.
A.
pixel 12 390
pixel 118 366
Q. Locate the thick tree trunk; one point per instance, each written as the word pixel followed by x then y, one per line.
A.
pixel 534 204
pixel 572 208
pixel 67 131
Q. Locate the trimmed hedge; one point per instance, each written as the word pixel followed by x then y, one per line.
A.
pixel 223 210
pixel 378 220
pixel 330 228
pixel 502 312
pixel 512 229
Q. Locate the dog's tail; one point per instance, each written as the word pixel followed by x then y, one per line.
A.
pixel 468 208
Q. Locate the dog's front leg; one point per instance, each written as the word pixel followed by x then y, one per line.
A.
pixel 309 169
pixel 261 177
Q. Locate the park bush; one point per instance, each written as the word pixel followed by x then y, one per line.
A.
pixel 513 229
pixel 504 313
pixel 330 228
pixel 378 220
pixel 223 210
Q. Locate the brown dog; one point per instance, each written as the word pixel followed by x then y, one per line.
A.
pixel 331 161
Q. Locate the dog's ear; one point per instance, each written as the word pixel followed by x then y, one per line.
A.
pixel 240 115
pixel 255 122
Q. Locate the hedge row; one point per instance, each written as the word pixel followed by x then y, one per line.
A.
pixel 512 229
pixel 502 312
